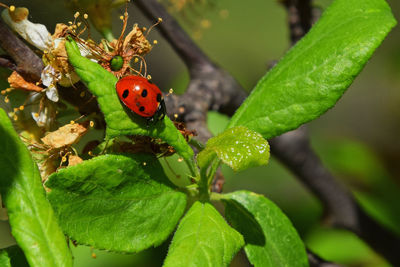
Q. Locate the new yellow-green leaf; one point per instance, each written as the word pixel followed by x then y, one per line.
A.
pixel 238 147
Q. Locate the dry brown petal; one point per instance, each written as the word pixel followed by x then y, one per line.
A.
pixel 74 160
pixel 57 58
pixel 60 31
pixel 47 167
pixel 17 81
pixel 61 58
pixel 60 50
pixel 113 43
pixel 137 41
pixel 65 136
pixel 19 14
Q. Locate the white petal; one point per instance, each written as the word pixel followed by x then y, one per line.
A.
pixel 83 48
pixel 57 42
pixel 48 75
pixel 35 34
pixel 52 93
pixel 33 97
pixel 68 79
pixel 42 118
pixel 85 51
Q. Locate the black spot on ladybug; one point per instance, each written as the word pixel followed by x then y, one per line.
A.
pixel 158 97
pixel 125 93
pixel 144 93
pixel 150 81
pixel 141 109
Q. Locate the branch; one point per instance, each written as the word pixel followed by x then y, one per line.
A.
pixel 210 87
pixel 174 34
pixel 29 65
pixel 84 101
pixel 7 63
pixel 316 261
pixel 300 18
pixel 293 149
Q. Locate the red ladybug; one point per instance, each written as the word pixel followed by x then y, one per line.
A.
pixel 142 97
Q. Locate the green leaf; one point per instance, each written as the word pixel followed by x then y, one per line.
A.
pixel 203 238
pixel 4 259
pixel 365 174
pixel 342 247
pixel 116 202
pixel 237 147
pixel 315 73
pixel 12 257
pixel 32 219
pixel 271 239
pixel 120 121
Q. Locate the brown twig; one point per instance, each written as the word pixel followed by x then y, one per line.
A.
pixel 211 88
pixel 299 16
pixel 173 33
pixel 29 65
pixel 7 63
pixel 293 149
pixel 316 261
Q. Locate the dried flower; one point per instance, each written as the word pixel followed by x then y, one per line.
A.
pixel 74 160
pixel 35 34
pixel 65 136
pixel 17 81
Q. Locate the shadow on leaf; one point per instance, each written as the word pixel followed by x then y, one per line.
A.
pixel 10 158
pixel 244 222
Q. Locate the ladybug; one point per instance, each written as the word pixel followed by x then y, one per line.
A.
pixel 142 97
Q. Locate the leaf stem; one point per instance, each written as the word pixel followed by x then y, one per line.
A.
pixel 212 170
pixel 197 144
pixel 194 171
pixel 216 196
pixel 107 33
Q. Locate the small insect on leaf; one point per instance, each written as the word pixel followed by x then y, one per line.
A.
pixel 142 97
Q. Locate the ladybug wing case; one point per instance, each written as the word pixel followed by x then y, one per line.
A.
pixel 141 96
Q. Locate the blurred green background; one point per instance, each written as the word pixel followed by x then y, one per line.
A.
pixel 357 140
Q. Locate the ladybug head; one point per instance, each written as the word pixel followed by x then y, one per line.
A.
pixel 160 113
